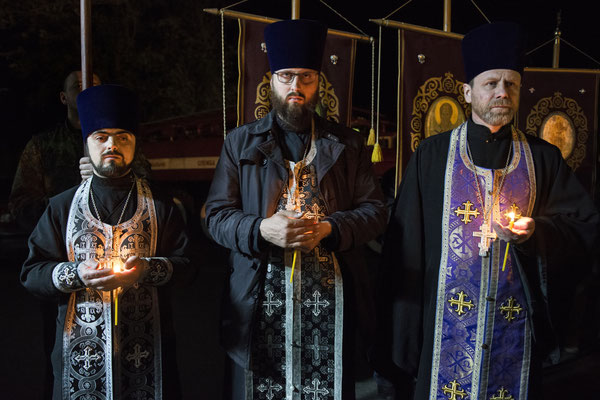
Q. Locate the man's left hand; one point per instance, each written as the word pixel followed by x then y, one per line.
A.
pixel 521 231
pixel 311 239
pixel 133 270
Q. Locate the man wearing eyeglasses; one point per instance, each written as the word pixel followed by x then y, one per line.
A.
pixel 294 199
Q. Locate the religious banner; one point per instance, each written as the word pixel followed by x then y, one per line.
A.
pixel 336 80
pixel 560 107
pixel 431 98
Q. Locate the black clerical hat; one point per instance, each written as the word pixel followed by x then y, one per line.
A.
pixel 499 45
pixel 297 43
pixel 107 106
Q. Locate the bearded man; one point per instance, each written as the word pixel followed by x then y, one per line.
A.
pixel 105 251
pixel 294 198
pixel 480 211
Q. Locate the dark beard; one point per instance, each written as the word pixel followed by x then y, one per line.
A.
pixel 112 170
pixel 294 117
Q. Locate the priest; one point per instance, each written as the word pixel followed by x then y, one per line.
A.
pixel 480 212
pixel 294 199
pixel 106 251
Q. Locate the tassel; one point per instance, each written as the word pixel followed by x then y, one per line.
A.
pixel 371 139
pixel 376 156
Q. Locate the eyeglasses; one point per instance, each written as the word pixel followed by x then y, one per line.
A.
pixel 305 78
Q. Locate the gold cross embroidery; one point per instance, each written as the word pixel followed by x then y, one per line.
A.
pixel 453 389
pixel 501 393
pixel 460 303
pixel 467 213
pixel 509 307
pixel 314 213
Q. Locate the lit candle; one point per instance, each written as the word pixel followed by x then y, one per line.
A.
pixel 512 216
pixel 116 265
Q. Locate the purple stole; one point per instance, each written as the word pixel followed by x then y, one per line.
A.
pixel 482 336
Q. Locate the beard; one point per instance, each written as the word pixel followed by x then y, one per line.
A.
pixel 294 117
pixel 498 117
pixel 112 169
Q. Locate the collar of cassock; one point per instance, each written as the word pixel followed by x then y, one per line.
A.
pixel 483 134
pixel 123 182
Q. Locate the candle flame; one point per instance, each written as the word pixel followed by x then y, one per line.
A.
pixel 117 265
pixel 511 215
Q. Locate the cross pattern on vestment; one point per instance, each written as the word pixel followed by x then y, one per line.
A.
pixel 509 307
pixel 316 346
pixel 88 245
pixel 317 259
pixel 87 357
pixel 316 303
pixel 138 306
pixel 270 345
pixel 67 275
pixel 501 393
pixel 269 304
pixel 467 213
pixel 89 306
pixel 315 390
pixel 314 212
pixel 453 389
pixel 135 246
pixel 485 234
pixel 137 355
pixel 461 303
pixel 269 388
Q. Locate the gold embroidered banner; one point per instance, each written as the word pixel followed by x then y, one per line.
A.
pixel 337 76
pixel 560 107
pixel 431 98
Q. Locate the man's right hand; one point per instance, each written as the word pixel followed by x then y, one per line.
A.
pixel 286 229
pixel 85 168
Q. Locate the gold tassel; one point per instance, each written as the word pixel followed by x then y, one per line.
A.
pixel 377 156
pixel 371 139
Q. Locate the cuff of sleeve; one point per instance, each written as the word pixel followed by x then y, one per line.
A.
pixel 259 244
pixel 332 242
pixel 159 271
pixel 65 277
pixel 528 247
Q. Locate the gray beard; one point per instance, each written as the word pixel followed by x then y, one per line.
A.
pixel 490 118
pixel 293 117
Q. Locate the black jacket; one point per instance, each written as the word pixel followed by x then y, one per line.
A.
pixel 246 188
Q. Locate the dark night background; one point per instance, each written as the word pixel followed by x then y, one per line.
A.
pixel 170 53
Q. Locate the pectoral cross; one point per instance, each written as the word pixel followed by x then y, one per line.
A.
pixel 485 234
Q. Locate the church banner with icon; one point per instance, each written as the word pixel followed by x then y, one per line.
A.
pixel 335 88
pixel 431 98
pixel 560 107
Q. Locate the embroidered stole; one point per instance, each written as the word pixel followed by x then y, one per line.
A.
pixel 297 339
pixel 101 360
pixel 482 335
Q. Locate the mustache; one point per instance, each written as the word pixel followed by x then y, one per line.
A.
pixel 112 153
pixel 296 94
pixel 501 102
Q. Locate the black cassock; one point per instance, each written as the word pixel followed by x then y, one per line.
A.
pixel 150 220
pixel 566 223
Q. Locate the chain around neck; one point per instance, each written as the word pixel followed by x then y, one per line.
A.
pixel 124 206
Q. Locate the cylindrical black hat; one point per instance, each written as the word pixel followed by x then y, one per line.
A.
pixel 296 43
pixel 499 45
pixel 107 106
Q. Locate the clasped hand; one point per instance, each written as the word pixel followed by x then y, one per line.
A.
pixel 521 231
pixel 106 279
pixel 288 230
